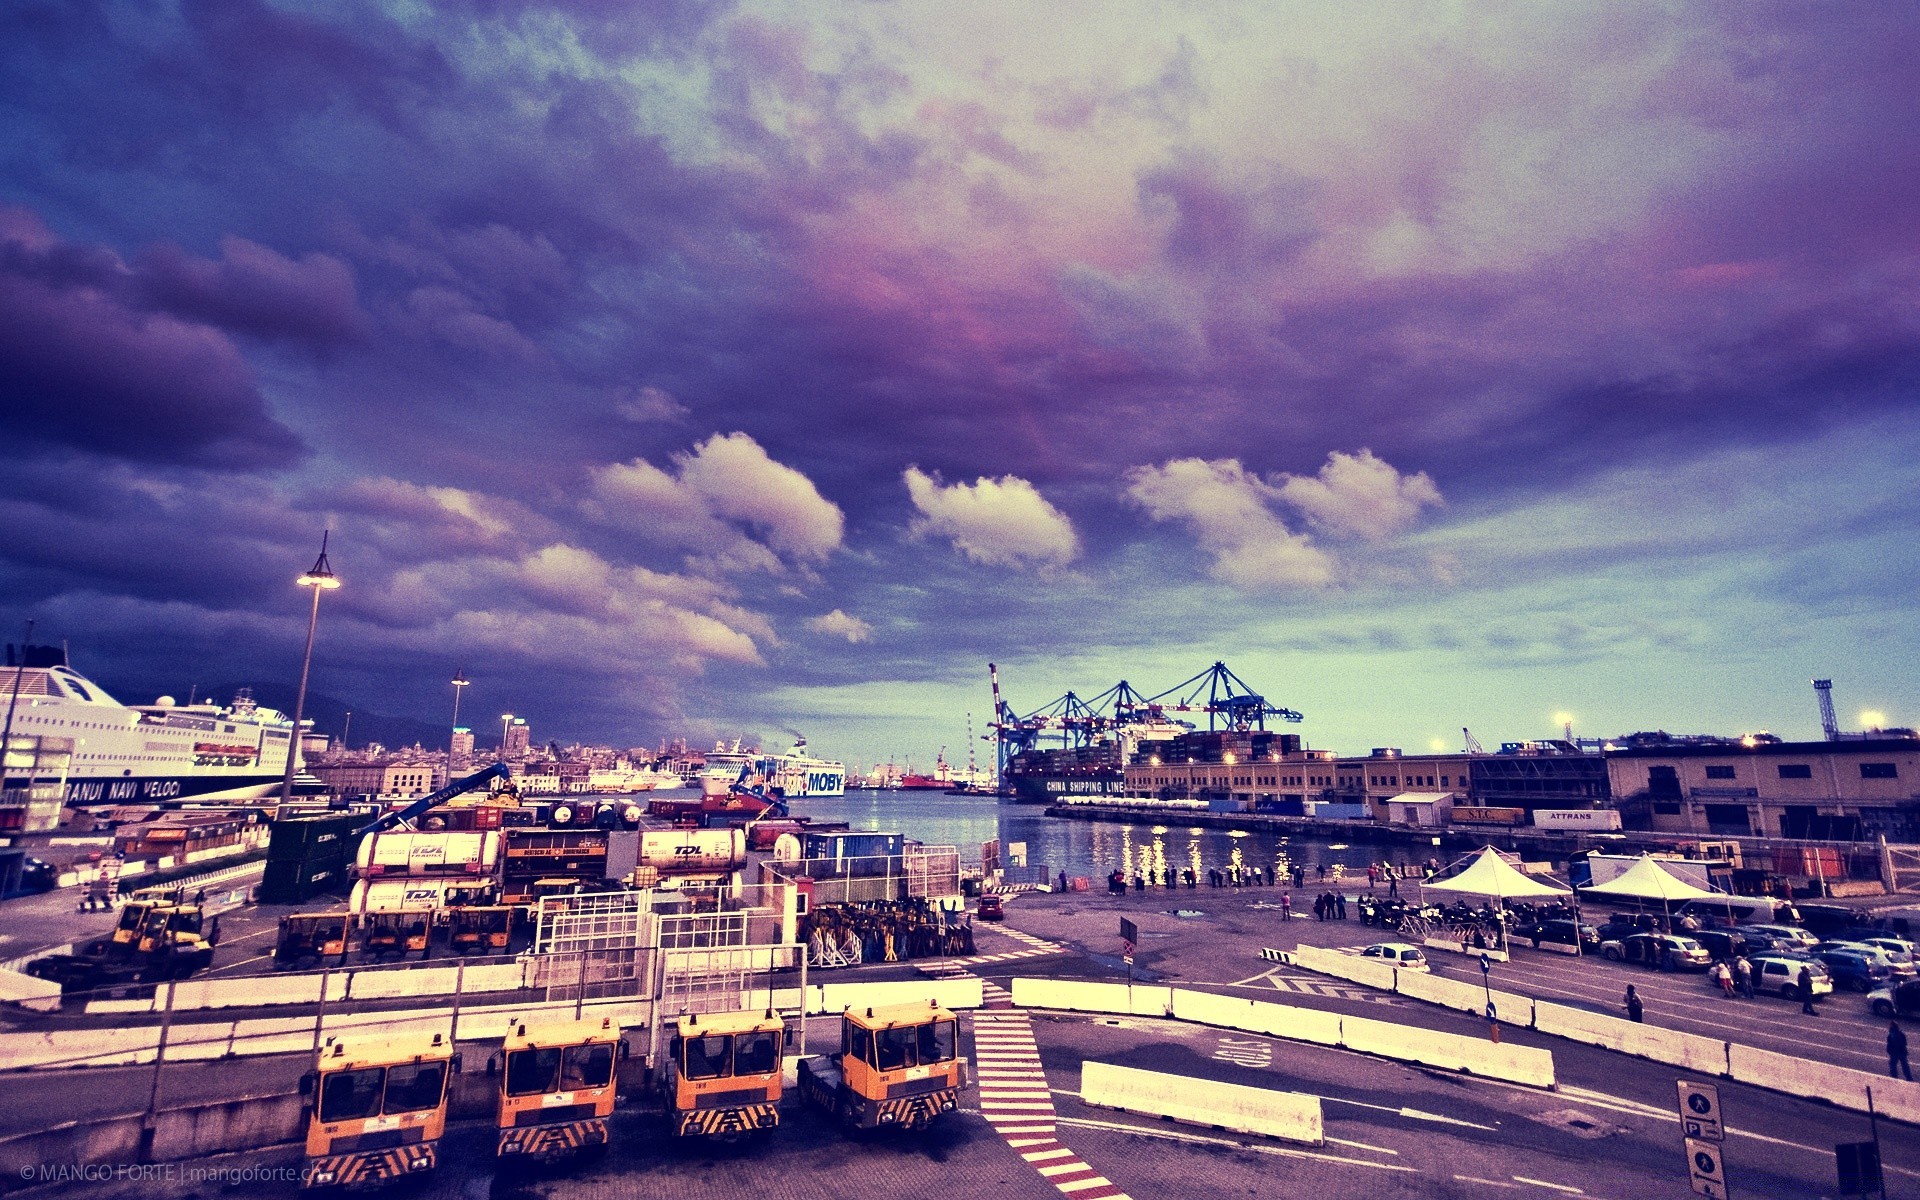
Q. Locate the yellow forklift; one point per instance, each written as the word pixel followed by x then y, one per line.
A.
pixel 899 1067
pixel 556 1087
pixel 722 1076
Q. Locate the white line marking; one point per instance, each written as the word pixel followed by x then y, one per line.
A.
pixel 1170 1135
pixel 1558 1187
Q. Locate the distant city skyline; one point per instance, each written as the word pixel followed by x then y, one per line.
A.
pixel 745 369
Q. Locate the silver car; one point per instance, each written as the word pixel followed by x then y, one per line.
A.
pixel 1780 974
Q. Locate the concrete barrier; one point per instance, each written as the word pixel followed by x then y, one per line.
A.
pixel 1459 946
pixel 1528 1065
pixel 1370 972
pixel 948 993
pixel 1671 1046
pixel 303 987
pixel 1069 995
pixel 222 1128
pixel 40 995
pixel 111 1140
pixel 1843 1087
pixel 1285 1115
pixel 1258 1016
pixel 1513 1008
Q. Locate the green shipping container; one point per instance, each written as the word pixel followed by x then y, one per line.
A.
pixel 298 881
pixel 314 838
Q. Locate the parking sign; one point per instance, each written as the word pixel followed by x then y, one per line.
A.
pixel 1700 1111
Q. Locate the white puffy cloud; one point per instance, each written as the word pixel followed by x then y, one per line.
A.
pixel 1358 495
pixel 841 624
pixel 999 522
pixel 726 503
pixel 1227 509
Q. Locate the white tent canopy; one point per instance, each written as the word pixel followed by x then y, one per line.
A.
pixel 1648 880
pixel 1490 875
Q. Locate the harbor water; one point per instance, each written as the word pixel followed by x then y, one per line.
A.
pixel 1095 848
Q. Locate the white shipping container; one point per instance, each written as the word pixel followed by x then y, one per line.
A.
pixel 1576 818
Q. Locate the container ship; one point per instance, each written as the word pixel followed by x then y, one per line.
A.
pixel 1092 771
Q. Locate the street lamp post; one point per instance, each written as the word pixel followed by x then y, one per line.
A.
pixel 506 720
pixel 320 578
pixel 459 681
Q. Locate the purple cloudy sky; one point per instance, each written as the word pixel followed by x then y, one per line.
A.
pixel 686 367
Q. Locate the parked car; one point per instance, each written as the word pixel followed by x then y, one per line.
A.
pixel 1665 951
pixel 1789 938
pixel 1620 926
pixel 1861 968
pixel 1780 974
pixel 1566 937
pixel 992 908
pixel 1731 943
pixel 1900 1000
pixel 1827 920
pixel 1400 954
pixel 1900 950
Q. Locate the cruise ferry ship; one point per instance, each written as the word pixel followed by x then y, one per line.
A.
pixel 100 751
pixel 793 775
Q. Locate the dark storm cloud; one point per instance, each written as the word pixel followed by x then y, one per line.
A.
pixel 80 367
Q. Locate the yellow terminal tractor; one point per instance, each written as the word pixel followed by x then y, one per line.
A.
pixel 398 933
pixel 377 1109
pixel 723 1074
pixel 318 936
pixel 557 1087
pixel 899 1067
pixel 479 929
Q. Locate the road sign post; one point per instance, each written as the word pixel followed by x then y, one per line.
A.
pixel 1129 938
pixel 1486 982
pixel 1700 1111
pixel 1707 1171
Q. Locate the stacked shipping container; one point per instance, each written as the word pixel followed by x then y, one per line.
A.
pixel 307 856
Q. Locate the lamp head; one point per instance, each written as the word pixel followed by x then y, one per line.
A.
pixel 320 574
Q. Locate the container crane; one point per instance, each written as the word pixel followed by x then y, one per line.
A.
pixel 1230 703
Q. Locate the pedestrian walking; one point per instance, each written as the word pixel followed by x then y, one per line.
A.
pixel 1373 876
pixel 1805 983
pixel 1286 906
pixel 1340 904
pixel 1723 975
pixel 1743 977
pixel 1393 884
pixel 1897 1052
pixel 1635 1010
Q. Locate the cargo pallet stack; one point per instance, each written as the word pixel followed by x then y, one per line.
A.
pixel 307 856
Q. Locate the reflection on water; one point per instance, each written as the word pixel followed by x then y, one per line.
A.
pixel 1091 848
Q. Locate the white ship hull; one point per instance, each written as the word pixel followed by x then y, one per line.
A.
pixel 100 751
pixel 794 776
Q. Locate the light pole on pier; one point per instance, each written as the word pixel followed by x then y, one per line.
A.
pixel 506 721
pixel 460 681
pixel 320 578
